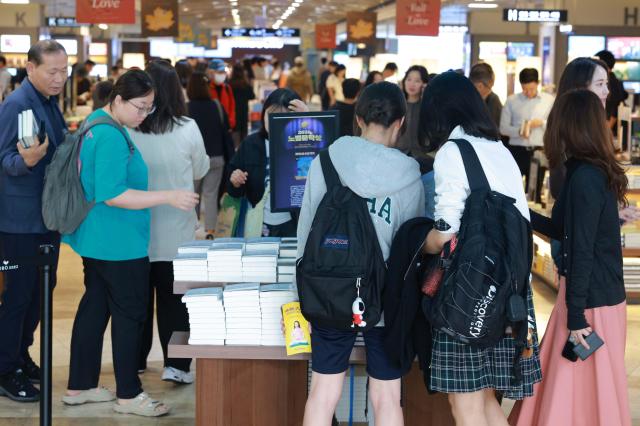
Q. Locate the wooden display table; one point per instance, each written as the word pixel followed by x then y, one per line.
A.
pixel 261 386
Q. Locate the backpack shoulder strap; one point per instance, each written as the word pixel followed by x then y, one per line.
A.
pixel 475 174
pixel 328 170
pixel 106 120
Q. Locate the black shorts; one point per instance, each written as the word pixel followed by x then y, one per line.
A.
pixel 331 348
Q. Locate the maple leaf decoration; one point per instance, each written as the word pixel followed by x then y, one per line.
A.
pixel 361 30
pixel 161 19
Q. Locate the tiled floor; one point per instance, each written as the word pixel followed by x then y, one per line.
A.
pixel 181 398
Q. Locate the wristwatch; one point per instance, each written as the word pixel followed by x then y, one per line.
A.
pixel 441 225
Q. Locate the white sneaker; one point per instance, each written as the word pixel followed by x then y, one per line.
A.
pixel 171 374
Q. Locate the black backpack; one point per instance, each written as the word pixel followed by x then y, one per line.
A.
pixel 342 258
pixel 64 205
pixel 485 283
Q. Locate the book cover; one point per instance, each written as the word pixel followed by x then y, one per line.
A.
pixel 250 287
pixel 296 329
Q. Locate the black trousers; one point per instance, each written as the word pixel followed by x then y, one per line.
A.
pixel 523 156
pixel 120 290
pixel 171 314
pixel 20 302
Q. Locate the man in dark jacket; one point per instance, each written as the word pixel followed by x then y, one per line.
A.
pixel 22 229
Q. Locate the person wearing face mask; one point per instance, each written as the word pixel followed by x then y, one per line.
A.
pixel 524 118
pixel 300 80
pixel 220 90
pixel 390 182
pixel 250 177
pixel 113 241
pixel 413 84
pixel 22 230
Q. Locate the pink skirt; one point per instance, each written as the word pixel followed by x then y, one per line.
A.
pixel 586 393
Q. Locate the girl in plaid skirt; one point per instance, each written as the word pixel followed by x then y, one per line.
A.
pixel 452 109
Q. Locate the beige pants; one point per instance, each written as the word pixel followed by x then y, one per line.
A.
pixel 208 187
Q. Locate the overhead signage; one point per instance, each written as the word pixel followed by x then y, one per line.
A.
pixel 106 11
pixel 21 15
pixel 260 32
pixel 61 21
pixel 534 15
pixel 325 36
pixel 418 17
pixel 361 27
pixel 159 18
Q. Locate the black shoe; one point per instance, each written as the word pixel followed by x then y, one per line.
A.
pixel 31 369
pixel 16 386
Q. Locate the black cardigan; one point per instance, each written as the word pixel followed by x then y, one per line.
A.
pixel 407 332
pixel 585 220
pixel 251 157
pixel 207 117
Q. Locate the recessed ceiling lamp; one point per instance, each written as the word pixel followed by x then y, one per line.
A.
pixel 482 5
pixel 103 27
pixel 15 1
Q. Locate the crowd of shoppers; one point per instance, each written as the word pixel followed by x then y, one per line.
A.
pixel 166 141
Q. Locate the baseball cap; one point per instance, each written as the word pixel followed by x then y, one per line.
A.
pixel 217 65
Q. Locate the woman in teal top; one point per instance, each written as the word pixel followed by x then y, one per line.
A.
pixel 113 241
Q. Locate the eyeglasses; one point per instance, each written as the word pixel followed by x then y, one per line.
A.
pixel 142 111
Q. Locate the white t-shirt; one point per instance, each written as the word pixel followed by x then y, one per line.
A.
pixel 452 185
pixel 333 82
pixel 174 160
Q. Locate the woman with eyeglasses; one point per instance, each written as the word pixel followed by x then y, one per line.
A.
pixel 173 149
pixel 113 241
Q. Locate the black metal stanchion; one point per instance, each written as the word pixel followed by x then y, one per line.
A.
pixel 46 316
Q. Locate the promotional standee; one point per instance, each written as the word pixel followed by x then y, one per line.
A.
pixel 294 141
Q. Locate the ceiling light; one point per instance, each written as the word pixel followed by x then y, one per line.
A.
pixel 296 5
pixel 15 1
pixel 298 1
pixel 103 27
pixel 482 5
pixel 186 9
pixel 234 11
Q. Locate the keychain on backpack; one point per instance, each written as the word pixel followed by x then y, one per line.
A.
pixel 358 309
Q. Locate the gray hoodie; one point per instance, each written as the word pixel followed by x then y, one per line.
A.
pixel 386 177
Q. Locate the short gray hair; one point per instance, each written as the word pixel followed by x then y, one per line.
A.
pixel 44 47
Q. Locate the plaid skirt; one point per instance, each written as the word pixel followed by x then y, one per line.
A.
pixel 459 368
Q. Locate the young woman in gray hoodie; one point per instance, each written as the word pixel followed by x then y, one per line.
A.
pixel 390 181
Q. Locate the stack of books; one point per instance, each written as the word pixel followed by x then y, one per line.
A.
pixel 225 261
pixel 272 297
pixel 263 243
pixel 242 308
pixel 190 267
pixel 286 270
pixel 195 247
pixel 207 323
pixel 289 249
pixel 260 262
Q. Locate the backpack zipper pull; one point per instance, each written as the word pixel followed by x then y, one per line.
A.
pixel 358 308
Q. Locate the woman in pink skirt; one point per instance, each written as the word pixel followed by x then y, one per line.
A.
pixel 585 220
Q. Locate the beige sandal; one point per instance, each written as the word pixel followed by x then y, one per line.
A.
pixel 142 405
pixel 99 394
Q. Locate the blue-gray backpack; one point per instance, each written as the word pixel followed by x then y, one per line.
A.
pixel 341 275
pixel 486 279
pixel 64 204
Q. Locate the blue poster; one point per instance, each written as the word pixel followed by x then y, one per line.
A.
pixel 294 141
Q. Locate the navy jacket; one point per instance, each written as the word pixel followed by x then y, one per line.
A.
pixel 20 186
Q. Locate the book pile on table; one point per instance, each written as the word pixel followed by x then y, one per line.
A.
pixel 225 260
pixel 287 260
pixel 260 260
pixel 242 308
pixel 190 267
pixel 207 324
pixel 272 297
pixel 631 271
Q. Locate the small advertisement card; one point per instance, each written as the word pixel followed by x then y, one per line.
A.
pixel 295 138
pixel 296 329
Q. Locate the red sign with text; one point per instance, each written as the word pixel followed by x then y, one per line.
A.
pixel 106 11
pixel 326 36
pixel 418 17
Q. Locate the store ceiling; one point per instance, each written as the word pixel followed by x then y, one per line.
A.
pixel 216 14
